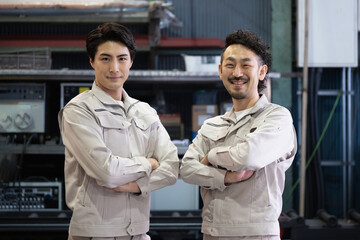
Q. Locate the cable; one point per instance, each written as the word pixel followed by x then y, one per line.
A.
pixel 317 144
pixel 20 167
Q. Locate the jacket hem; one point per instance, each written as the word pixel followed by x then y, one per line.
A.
pixel 103 231
pixel 248 229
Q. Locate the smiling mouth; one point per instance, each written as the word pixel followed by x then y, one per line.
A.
pixel 238 82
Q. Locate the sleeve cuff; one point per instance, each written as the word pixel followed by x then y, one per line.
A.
pixel 212 157
pixel 145 163
pixel 219 179
pixel 219 157
pixel 143 185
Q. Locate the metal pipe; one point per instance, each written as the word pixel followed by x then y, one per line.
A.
pixel 344 142
pixel 294 216
pixel 354 215
pixel 349 137
pixel 330 220
pixel 304 114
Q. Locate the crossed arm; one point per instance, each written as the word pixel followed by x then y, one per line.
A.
pixel 231 177
pixel 133 187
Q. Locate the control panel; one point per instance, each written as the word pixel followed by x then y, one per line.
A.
pixel 31 196
pixel 70 90
pixel 22 108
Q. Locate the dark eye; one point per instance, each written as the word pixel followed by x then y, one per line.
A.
pixel 104 59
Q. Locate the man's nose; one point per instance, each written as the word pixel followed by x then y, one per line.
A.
pixel 114 66
pixel 237 71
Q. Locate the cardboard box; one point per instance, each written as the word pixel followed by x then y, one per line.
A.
pixel 173 125
pixel 170 118
pixel 200 113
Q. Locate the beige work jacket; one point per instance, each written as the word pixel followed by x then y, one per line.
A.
pixel 106 145
pixel 263 140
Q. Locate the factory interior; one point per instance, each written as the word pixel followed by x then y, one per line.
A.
pixel 315 75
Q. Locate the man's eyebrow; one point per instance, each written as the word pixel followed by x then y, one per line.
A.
pixel 241 60
pixel 245 60
pixel 123 55
pixel 109 55
pixel 105 54
pixel 230 59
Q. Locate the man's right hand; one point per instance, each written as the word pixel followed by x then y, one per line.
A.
pixel 131 187
pixel 154 163
pixel 234 177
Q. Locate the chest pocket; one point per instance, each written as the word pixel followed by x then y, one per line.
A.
pixel 144 122
pixel 143 136
pixel 115 133
pixel 111 121
pixel 249 126
pixel 216 133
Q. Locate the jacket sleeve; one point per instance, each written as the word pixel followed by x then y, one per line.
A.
pixel 163 150
pixel 82 137
pixel 194 172
pixel 273 139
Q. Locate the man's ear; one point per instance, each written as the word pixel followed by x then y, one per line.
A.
pixel 263 71
pixel 91 62
pixel 220 70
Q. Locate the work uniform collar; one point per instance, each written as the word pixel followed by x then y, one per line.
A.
pixel 259 105
pixel 106 99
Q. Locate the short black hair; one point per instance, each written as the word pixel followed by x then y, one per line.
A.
pixel 110 32
pixel 253 42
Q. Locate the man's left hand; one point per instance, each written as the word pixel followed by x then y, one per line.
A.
pixel 131 187
pixel 205 160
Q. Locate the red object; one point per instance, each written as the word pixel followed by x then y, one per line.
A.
pixel 79 41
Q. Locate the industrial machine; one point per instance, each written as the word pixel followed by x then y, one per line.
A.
pixel 70 90
pixel 22 108
pixel 31 196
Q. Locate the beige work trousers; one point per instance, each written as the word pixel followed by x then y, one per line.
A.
pixel 137 237
pixel 270 237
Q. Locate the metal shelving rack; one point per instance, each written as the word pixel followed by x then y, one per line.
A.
pixel 88 75
pixel 347 162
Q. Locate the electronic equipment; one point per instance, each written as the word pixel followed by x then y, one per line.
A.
pixel 70 90
pixel 172 197
pixel 31 196
pixel 22 108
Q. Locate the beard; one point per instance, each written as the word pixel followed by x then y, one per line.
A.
pixel 237 94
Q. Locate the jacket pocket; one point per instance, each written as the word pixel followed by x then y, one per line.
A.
pixel 110 121
pixel 145 121
pixel 245 130
pixel 262 208
pixel 115 133
pixel 84 193
pixel 145 138
pixel 215 132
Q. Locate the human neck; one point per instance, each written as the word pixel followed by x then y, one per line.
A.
pixel 116 94
pixel 242 104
